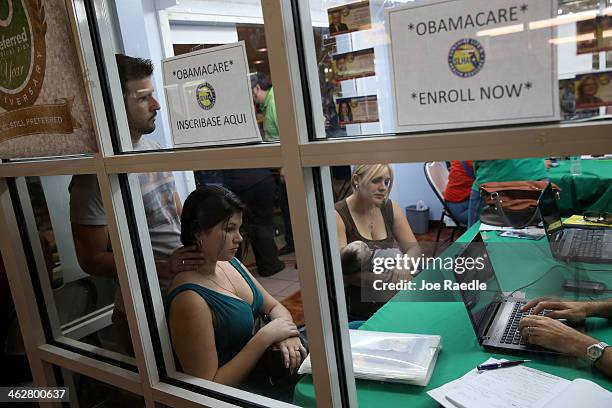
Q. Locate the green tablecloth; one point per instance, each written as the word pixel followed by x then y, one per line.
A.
pixel 590 191
pixel 516 265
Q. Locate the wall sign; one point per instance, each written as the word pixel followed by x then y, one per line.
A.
pixel 349 18
pixel 209 97
pixel 359 109
pixel 352 65
pixel 469 63
pixel 43 102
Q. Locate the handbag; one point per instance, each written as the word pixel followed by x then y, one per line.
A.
pixel 512 203
pixel 274 379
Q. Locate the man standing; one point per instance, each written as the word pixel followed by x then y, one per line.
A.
pixel 263 95
pixel 161 201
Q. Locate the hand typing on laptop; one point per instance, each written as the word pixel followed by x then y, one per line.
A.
pixel 547 332
pixel 573 312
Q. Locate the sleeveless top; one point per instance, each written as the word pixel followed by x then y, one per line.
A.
pixel 234 318
pixel 352 234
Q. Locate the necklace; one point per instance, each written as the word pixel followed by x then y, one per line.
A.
pixel 234 292
pixel 371 223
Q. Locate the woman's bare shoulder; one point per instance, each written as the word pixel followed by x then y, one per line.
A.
pixel 183 278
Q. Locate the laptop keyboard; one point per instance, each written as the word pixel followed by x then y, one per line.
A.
pixel 512 334
pixel 587 243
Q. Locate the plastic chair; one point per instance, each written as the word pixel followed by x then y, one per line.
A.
pixel 436 174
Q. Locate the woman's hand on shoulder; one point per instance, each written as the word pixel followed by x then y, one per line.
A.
pixel 277 330
pixel 293 352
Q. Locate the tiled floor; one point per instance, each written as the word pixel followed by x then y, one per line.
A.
pixel 284 283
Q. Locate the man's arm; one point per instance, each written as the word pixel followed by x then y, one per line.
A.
pixel 93 249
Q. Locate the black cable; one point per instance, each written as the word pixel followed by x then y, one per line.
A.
pixel 537 280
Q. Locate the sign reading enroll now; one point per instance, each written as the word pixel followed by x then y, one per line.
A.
pixel 469 63
pixel 209 97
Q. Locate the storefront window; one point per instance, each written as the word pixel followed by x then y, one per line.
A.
pixel 88 392
pixel 434 256
pixel 390 67
pixel 228 277
pixel 68 231
pixel 180 88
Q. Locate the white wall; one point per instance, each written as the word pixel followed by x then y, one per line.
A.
pixel 410 185
pixel 203 33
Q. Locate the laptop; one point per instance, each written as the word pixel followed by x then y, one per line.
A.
pixel 495 317
pixel 592 245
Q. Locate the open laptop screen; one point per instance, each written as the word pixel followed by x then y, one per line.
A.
pixel 479 304
pixel 549 210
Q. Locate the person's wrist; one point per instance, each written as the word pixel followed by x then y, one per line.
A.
pixel 264 340
pixel 589 308
pixel 581 345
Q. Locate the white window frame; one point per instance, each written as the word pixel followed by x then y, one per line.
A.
pixel 296 155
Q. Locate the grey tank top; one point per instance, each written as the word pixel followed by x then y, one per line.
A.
pixel 352 234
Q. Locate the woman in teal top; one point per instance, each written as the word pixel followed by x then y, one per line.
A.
pixel 212 308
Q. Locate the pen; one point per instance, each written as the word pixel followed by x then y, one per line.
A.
pixel 502 364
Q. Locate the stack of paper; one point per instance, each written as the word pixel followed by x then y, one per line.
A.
pixel 579 221
pixel 519 387
pixel 395 357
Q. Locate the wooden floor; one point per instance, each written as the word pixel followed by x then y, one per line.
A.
pixel 293 301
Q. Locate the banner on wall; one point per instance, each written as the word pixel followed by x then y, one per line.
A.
pixel 469 63
pixel 209 97
pixel 593 90
pixel 360 109
pixel 594 35
pixel 349 18
pixel 352 65
pixel 43 102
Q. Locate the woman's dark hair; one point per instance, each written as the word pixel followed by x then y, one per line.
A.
pixel 206 207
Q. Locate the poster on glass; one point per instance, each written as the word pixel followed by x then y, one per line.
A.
pixel 209 97
pixel 360 109
pixel 593 89
pixel 349 18
pixel 352 65
pixel 467 63
pixel 594 35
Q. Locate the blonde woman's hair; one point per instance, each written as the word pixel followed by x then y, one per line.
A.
pixel 367 172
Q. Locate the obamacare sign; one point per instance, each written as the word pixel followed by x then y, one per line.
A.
pixel 208 94
pixel 471 63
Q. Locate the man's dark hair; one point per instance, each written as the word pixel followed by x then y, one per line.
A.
pixel 132 68
pixel 204 208
pixel 261 80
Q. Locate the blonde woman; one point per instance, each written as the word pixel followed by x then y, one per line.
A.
pixel 369 220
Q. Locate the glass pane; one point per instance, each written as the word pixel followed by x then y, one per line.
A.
pixel 90 393
pixel 44 106
pixel 13 352
pixel 389 67
pixel 442 251
pixel 228 277
pixel 77 270
pixel 202 96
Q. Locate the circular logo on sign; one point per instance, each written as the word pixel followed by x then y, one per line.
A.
pixel 206 96
pixel 22 42
pixel 466 57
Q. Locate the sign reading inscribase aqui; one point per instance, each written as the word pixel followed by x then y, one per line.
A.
pixel 471 63
pixel 209 97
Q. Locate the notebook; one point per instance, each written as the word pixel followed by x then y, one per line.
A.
pixel 393 357
pixel 519 387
